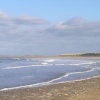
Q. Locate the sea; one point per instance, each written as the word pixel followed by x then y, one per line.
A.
pixel 34 72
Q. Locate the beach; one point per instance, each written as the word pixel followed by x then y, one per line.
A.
pixel 84 89
pixel 88 89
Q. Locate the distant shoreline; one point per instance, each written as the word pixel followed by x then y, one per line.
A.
pixel 57 56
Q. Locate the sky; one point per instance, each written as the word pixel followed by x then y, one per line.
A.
pixel 49 27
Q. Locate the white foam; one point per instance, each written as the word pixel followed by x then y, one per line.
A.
pixel 16 58
pixel 32 85
pixel 60 64
pixel 69 74
pixel 44 63
pixel 72 74
pixel 17 67
pixel 74 80
pixel 44 83
pixel 78 64
pixel 49 60
pixel 51 82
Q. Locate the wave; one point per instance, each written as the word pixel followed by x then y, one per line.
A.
pixel 60 64
pixel 67 74
pixel 37 84
pixel 78 64
pixel 44 63
pixel 17 67
pixel 44 84
pixel 72 73
pixel 52 81
pixel 49 60
pixel 16 58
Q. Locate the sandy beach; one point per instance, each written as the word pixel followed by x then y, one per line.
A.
pixel 88 89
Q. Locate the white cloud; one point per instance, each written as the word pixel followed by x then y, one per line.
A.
pixel 75 27
pixel 28 35
pixel 19 28
pixel 20 20
pixel 28 20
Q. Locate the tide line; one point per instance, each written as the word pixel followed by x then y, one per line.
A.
pixel 43 83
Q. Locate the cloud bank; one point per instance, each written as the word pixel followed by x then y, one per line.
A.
pixel 26 34
pixel 76 27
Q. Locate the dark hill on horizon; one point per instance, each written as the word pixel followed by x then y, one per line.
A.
pixel 82 55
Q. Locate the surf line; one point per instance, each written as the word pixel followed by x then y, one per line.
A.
pixel 17 67
pixel 46 83
pixel 72 73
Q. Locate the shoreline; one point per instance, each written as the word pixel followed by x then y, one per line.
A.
pixel 61 91
pixel 50 82
pixel 57 56
pixel 83 89
pixel 42 84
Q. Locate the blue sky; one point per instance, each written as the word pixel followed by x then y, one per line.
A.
pixel 49 27
pixel 53 10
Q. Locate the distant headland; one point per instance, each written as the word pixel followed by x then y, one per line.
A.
pixel 82 55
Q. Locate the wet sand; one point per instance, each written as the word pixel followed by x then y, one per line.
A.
pixel 88 89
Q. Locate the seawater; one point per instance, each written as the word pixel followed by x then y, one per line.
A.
pixel 27 72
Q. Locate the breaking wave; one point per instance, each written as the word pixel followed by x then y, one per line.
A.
pixel 39 72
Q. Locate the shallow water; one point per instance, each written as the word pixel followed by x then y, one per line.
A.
pixel 35 72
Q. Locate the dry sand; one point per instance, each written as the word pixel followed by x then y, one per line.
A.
pixel 80 90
